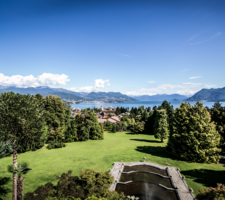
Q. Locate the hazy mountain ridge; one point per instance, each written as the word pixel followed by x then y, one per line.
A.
pixel 161 97
pixel 68 94
pixel 209 95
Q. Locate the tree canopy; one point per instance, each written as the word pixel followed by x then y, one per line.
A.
pixel 193 137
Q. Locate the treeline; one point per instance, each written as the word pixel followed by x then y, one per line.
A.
pixel 56 126
pixel 195 133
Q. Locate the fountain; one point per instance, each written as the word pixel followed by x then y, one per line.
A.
pixel 149 181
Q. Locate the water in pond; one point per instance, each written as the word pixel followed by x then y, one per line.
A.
pixel 146 191
pixel 145 168
pixel 137 176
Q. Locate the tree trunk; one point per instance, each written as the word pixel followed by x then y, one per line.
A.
pixel 161 139
pixel 20 188
pixel 14 173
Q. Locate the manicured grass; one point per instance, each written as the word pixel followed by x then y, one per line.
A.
pixel 100 154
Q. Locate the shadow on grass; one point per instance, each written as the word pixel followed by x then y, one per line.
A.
pixel 155 151
pixel 133 133
pixel 142 140
pixel 208 178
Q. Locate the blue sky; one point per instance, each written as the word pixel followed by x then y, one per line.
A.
pixel 133 47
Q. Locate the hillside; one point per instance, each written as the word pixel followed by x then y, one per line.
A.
pixel 64 95
pixel 160 97
pixel 209 95
pixel 102 96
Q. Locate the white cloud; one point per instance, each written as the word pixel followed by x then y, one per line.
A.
pixel 183 89
pixel 31 81
pixel 194 77
pixel 151 81
pixel 98 85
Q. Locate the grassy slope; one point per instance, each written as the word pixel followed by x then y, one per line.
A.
pixel 99 155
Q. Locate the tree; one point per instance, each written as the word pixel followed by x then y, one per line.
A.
pixel 139 127
pixel 20 170
pixel 218 117
pixel 83 128
pixel 193 137
pixel 96 132
pixel 57 117
pixel 161 130
pixel 21 118
pixel 114 128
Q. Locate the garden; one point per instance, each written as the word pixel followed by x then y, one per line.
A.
pixel 100 155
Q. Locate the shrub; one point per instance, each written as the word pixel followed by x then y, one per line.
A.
pixel 55 144
pixel 87 184
pixel 211 193
pixel 4 190
pixel 5 149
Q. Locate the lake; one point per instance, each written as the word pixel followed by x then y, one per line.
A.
pixel 151 104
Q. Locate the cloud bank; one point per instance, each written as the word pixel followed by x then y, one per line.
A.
pixel 99 84
pixel 183 89
pixel 31 81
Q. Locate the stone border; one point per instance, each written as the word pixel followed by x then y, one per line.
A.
pixel 177 181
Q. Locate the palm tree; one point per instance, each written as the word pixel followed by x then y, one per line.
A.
pixel 22 168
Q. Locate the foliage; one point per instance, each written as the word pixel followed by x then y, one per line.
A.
pixel 211 193
pixel 3 189
pixel 161 130
pixel 96 128
pixel 56 117
pixel 5 149
pixel 83 127
pixel 22 121
pixel 218 116
pixel 139 127
pixel 55 144
pixel 114 128
pixel 193 137
pixel 90 184
pixel 22 168
pixel 71 132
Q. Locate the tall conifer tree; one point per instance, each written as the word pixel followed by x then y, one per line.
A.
pixel 193 137
pixel 161 127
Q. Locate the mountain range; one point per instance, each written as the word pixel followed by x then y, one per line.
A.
pixel 68 94
pixel 204 94
pixel 209 95
pixel 161 97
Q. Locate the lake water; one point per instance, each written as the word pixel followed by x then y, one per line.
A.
pixel 137 104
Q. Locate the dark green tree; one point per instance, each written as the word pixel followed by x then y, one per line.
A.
pixel 71 133
pixel 21 121
pixel 193 137
pixel 114 128
pixel 83 127
pixel 96 132
pixel 161 127
pixel 57 117
pixel 218 117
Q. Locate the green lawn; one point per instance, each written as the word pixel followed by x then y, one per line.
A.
pixel 100 154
